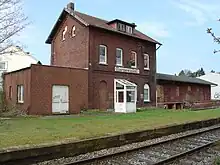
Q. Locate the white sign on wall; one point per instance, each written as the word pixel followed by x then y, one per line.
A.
pixel 127 70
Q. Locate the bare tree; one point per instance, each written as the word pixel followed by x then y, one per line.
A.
pixel 12 21
pixel 216 39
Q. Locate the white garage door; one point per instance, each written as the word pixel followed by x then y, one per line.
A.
pixel 60 99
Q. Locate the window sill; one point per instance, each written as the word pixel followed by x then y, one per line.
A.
pixel 103 64
pixel 133 67
pixel 119 66
pixel 146 101
pixel 146 68
pixel 20 102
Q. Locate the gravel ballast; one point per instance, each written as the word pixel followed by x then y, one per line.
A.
pixel 123 148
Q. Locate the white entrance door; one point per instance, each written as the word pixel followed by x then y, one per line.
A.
pixel 60 99
pixel 120 101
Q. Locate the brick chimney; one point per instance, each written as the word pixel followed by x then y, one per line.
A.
pixel 71 6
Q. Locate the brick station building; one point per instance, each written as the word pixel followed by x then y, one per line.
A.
pixel 110 61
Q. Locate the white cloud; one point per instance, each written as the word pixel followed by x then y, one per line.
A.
pixel 200 12
pixel 153 29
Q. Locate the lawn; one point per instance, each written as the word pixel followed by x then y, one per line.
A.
pixel 36 130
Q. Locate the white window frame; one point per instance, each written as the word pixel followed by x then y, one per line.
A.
pixel 73 31
pixel 64 33
pixel 148 62
pixel 105 47
pixel 6 65
pixel 134 59
pixel 121 50
pixel 20 93
pixel 147 87
pixel 129 29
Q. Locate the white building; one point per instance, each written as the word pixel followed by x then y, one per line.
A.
pixel 14 59
pixel 214 78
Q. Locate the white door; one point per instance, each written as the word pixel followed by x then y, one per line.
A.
pixel 60 99
pixel 120 101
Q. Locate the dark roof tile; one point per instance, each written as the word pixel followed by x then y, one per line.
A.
pixel 187 79
pixel 96 22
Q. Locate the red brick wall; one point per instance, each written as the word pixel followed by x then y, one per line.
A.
pixel 109 79
pixel 38 81
pixel 73 51
pixel 107 73
pixel 42 79
pixel 198 92
pixel 13 79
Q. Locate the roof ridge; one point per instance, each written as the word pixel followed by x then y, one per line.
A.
pixel 91 16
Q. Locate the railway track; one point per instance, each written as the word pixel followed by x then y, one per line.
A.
pixel 158 153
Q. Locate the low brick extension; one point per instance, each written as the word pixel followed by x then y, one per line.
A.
pixel 38 81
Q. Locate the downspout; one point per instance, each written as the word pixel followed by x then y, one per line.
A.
pixel 156 73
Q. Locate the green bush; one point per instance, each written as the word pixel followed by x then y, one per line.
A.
pixel 217 161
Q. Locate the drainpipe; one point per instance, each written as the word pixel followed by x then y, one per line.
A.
pixel 156 74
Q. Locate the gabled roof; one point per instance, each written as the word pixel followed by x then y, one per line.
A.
pixel 88 20
pixel 186 79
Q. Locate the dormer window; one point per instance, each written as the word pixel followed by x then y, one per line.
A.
pixel 121 27
pixel 129 29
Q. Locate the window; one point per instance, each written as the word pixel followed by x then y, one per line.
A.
pixel 20 93
pixel 10 92
pixel 120 97
pixel 189 89
pixel 146 93
pixel 133 59
pixel 64 33
pixel 177 91
pixel 146 61
pixel 102 54
pixel 129 29
pixel 119 57
pixel 73 31
pixel 3 65
pixel 121 27
pixel 130 96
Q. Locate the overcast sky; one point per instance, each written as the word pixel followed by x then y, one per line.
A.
pixel 180 25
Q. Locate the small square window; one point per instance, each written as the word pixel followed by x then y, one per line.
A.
pixel 102 54
pixel 130 96
pixel 129 29
pixel 20 94
pixel 121 27
pixel 3 65
pixel 119 57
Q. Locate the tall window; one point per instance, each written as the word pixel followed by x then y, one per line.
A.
pixel 20 93
pixel 119 57
pixel 73 31
pixel 102 54
pixel 10 92
pixel 64 33
pixel 177 91
pixel 133 59
pixel 146 61
pixel 146 93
